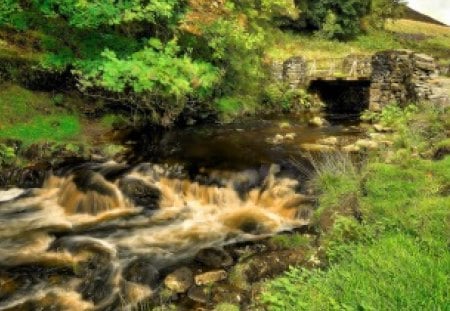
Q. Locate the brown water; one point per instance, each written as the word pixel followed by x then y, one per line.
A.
pixel 100 236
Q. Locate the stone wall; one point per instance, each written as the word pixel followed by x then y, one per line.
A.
pixel 400 76
pixel 293 71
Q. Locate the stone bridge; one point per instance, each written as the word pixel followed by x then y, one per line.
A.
pixel 357 82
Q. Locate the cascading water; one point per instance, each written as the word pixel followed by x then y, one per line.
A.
pixel 102 236
pixel 92 240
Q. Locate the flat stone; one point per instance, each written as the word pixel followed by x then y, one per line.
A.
pixel 211 277
pixel 180 280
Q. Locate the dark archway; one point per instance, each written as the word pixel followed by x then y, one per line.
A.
pixel 342 96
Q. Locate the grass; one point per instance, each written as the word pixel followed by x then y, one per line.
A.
pixel 55 128
pixel 422 37
pixel 384 232
pixel 31 117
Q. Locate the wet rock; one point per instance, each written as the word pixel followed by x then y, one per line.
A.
pixel 141 271
pixel 329 141
pixel 211 277
pixel 140 192
pixel 180 280
pixel 214 258
pixel 367 144
pixel 135 292
pixel 316 148
pixel 199 294
pixel 28 177
pixel 317 121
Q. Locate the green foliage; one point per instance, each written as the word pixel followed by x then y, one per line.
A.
pixel 281 96
pixel 336 19
pixel 7 155
pixel 381 10
pixel 155 69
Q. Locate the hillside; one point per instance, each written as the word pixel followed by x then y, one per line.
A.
pixel 414 15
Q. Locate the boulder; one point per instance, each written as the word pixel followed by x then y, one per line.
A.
pixel 210 277
pixel 180 280
pixel 140 192
pixel 141 271
pixel 214 258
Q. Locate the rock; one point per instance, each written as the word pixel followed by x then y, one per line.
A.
pixel 140 192
pixel 317 148
pixel 330 141
pixel 284 125
pixel 290 136
pixel 141 271
pixel 180 280
pixel 317 121
pixel 214 258
pixel 211 277
pixel 367 144
pixel 199 294
pixel 382 129
pixel 278 139
pixel 351 149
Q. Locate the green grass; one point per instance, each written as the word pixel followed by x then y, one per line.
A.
pixel 396 259
pixel 384 230
pixel 32 117
pixel 55 128
pixel 18 104
pixel 396 273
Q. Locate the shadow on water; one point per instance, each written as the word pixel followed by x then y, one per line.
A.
pixel 246 144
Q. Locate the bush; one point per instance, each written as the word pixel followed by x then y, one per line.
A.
pixel 7 155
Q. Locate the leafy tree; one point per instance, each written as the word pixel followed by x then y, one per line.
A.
pixel 381 10
pixel 123 50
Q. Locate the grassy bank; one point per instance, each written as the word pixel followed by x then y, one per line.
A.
pixel 384 229
pixel 48 122
pixel 399 34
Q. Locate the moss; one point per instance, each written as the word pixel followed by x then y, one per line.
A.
pixel 290 241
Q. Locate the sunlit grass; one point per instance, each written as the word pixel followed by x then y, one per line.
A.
pixel 55 128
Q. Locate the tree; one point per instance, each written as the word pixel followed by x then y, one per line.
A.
pixel 121 49
pixel 381 10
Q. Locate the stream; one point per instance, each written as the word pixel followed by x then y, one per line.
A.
pixel 102 236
